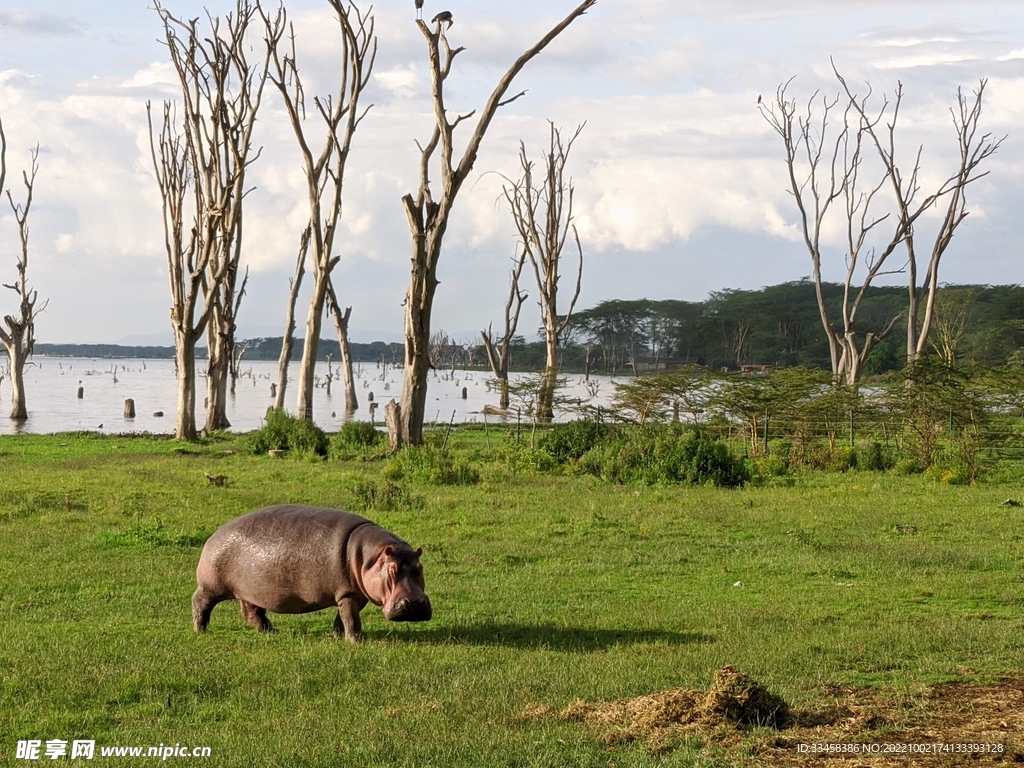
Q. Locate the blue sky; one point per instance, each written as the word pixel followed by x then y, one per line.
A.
pixel 681 188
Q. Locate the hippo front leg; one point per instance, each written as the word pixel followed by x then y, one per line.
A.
pixel 347 622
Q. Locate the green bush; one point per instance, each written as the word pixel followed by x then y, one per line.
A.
pixel 359 434
pixel 570 441
pixel 427 464
pixel 769 466
pixel 843 459
pixel 285 433
pixel 664 454
pixel 875 458
pixel 523 460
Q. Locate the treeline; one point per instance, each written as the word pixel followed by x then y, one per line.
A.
pixel 781 326
pixel 778 326
pixel 254 349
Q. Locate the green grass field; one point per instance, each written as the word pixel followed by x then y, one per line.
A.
pixel 546 589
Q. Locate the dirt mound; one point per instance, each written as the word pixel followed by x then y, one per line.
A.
pixel 735 699
pixel 726 719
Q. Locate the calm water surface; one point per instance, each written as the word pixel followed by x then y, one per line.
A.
pixel 52 385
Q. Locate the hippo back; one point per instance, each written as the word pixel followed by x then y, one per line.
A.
pixel 285 558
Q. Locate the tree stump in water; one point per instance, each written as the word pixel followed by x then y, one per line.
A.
pixel 393 418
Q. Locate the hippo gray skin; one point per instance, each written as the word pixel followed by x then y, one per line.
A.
pixel 292 559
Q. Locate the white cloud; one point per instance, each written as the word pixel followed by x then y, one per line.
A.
pixel 403 81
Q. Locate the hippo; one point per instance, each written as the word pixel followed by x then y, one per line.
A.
pixel 294 559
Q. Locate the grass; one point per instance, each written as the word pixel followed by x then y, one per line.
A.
pixel 546 588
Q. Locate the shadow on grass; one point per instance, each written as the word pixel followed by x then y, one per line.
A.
pixel 544 636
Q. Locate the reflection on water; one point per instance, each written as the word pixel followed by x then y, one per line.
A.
pixel 52 384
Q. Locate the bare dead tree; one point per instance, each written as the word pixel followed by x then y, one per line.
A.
pixel 188 255
pixel 499 351
pixel 221 95
pixel 288 340
pixel 428 215
pixel 439 348
pixel 19 336
pixel 543 216
pixel 237 353
pixel 974 149
pixel 325 172
pixel 341 326
pixel 824 168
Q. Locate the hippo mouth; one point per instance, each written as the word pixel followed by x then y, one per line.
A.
pixel 406 609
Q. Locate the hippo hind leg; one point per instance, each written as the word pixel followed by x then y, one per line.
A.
pixel 203 603
pixel 256 616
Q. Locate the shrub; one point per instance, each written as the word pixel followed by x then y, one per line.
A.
pixel 769 466
pixel 285 433
pixel 664 454
pixel 570 441
pixel 875 458
pixel 843 459
pixel 359 434
pixel 426 464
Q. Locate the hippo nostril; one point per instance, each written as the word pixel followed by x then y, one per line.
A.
pixel 409 610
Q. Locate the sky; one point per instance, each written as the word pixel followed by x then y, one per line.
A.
pixel 680 184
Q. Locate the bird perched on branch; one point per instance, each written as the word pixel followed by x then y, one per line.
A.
pixel 419 9
pixel 443 17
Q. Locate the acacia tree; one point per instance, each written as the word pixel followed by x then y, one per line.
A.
pixel 207 161
pixel 543 217
pixel 325 171
pixel 499 351
pixel 974 149
pixel 428 214
pixel 19 336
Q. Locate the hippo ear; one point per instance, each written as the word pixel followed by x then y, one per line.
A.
pixel 419 551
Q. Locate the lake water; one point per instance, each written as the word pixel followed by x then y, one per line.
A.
pixel 52 384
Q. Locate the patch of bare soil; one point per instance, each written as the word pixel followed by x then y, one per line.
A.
pixel 960 723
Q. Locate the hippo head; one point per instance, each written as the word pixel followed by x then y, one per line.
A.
pixel 398 574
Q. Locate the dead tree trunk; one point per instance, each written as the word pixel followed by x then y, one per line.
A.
pixel 288 340
pixel 325 172
pixel 974 149
pixel 236 362
pixel 221 95
pixel 428 218
pixel 19 336
pixel 188 257
pixel 830 172
pixel 499 353
pixel 341 326
pixel 543 218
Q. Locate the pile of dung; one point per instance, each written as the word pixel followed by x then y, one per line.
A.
pixel 735 700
